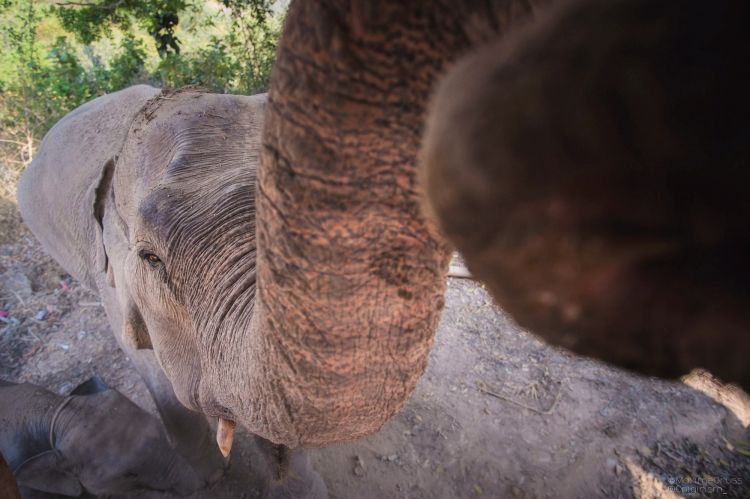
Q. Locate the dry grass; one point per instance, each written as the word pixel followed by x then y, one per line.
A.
pixel 16 152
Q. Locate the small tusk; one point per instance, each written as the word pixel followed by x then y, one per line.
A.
pixel 459 271
pixel 225 436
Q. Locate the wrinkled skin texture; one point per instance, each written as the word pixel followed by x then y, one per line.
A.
pixel 350 274
pixel 158 215
pixel 103 444
pixel 593 172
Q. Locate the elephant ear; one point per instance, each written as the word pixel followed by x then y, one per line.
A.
pixel 114 244
pixel 103 199
pixel 63 195
pixel 134 332
pixel 44 472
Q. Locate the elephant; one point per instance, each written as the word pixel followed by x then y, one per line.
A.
pixel 279 263
pixel 265 261
pixel 94 441
pixel 78 197
pixel 147 197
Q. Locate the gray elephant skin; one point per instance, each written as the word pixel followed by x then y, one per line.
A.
pixel 140 173
pixel 94 441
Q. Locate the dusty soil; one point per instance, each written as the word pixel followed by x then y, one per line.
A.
pixel 498 413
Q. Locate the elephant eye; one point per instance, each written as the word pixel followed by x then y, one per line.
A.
pixel 150 258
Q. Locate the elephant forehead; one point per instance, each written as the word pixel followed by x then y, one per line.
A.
pixel 190 136
pixel 198 208
pixel 193 154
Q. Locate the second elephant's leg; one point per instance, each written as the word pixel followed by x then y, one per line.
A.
pixel 188 431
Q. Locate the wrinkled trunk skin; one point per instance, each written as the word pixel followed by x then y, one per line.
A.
pixel 350 273
pixel 591 174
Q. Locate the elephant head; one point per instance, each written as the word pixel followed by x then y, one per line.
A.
pixel 179 238
pixel 159 217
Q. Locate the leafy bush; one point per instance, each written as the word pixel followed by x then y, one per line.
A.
pixel 57 56
pixel 95 19
pixel 211 67
pixel 127 66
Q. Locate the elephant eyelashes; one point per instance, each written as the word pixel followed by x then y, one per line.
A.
pixel 155 263
pixel 150 258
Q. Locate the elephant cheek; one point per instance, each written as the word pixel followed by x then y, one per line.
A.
pixel 185 383
pixel 182 366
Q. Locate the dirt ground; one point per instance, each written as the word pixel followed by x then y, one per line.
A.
pixel 498 413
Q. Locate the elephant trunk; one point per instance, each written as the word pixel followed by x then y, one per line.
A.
pixel 351 274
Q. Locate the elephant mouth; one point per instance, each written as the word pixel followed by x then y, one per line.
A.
pixel 226 422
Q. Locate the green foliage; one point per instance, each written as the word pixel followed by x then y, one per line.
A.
pixel 64 79
pixel 19 22
pixel 56 56
pixel 253 37
pixel 239 61
pixel 210 67
pixel 92 20
pixel 23 117
pixel 127 66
